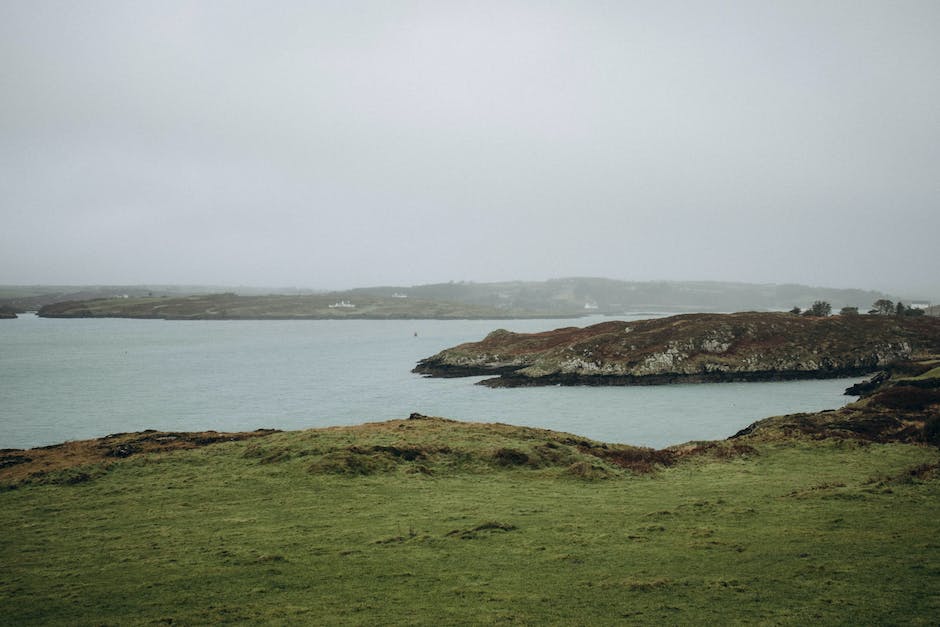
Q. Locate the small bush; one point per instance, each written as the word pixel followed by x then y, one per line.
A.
pixel 490 527
pixel 721 450
pixel 638 460
pixel 932 430
pixel 510 457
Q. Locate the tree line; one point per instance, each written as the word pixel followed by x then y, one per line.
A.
pixel 881 307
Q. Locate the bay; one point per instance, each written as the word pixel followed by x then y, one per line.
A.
pixel 73 379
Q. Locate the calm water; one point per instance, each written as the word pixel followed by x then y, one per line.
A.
pixel 75 379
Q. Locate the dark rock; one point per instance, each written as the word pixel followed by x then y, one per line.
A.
pixel 122 450
pixel 7 460
pixel 867 386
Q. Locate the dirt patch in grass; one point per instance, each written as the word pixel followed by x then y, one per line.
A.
pixel 476 532
pixel 589 472
pixel 638 460
pixel 367 460
pixel 351 462
pixel 10 458
pixel 646 460
pixel 82 460
pixel 721 450
pixel 510 457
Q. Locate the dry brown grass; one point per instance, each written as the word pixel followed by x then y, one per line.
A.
pixel 47 463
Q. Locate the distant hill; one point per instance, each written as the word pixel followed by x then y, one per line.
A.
pixel 566 297
pixel 230 306
pixel 22 298
pixel 572 296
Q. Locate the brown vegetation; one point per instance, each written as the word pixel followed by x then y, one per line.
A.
pixel 691 348
pixel 74 462
pixel 896 409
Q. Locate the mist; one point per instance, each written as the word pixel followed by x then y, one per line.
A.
pixel 335 144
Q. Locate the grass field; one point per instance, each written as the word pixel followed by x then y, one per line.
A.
pixel 436 522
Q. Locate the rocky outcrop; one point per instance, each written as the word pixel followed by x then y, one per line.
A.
pixel 690 348
pixel 895 407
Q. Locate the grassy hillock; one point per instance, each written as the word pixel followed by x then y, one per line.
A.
pixel 431 521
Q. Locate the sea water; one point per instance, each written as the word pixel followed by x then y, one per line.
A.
pixel 70 379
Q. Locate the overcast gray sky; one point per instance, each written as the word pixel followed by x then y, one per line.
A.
pixel 341 144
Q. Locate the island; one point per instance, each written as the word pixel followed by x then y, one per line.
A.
pixel 230 306
pixel 7 313
pixel 691 348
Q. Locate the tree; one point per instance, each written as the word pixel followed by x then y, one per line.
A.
pixel 796 311
pixel 820 308
pixel 884 307
pixel 900 309
pixel 848 311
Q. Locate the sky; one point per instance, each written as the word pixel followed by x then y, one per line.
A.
pixel 331 145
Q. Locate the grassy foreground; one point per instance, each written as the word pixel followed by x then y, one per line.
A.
pixel 428 521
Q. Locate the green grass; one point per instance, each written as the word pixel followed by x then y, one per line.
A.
pixel 273 531
pixel 933 373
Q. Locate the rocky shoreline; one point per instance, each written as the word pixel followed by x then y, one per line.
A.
pixel 510 380
pixel 692 348
pixel 898 404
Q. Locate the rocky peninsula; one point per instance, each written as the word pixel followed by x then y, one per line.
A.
pixel 692 348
